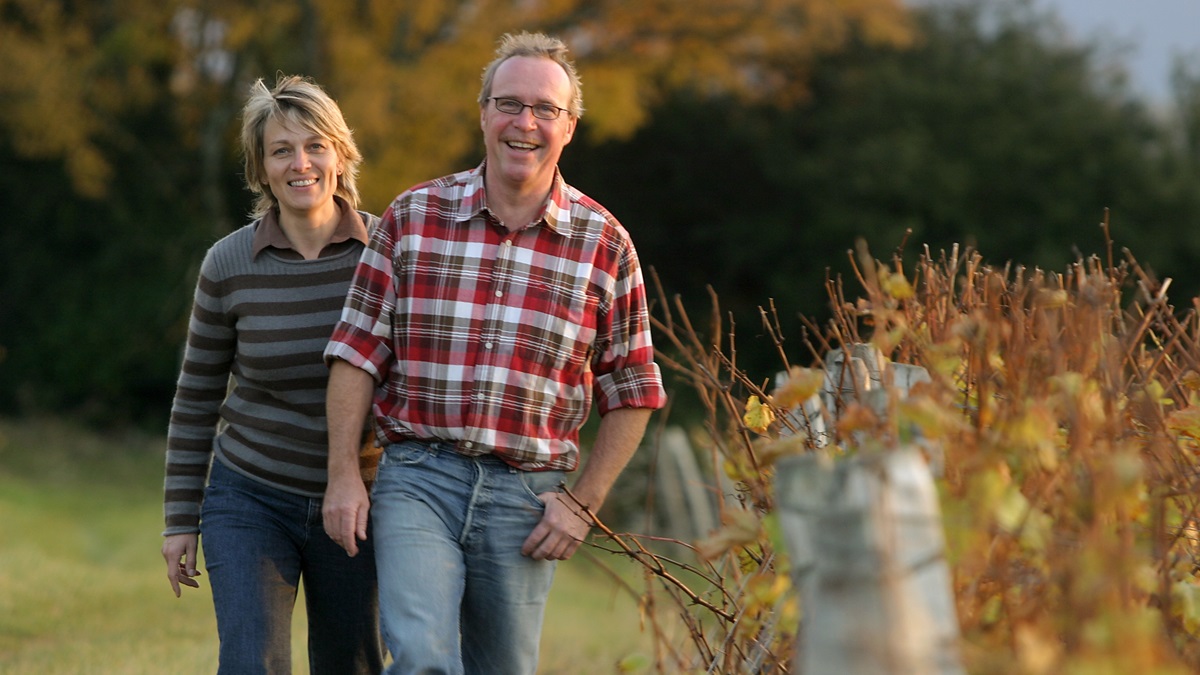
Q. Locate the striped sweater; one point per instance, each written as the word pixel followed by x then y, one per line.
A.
pixel 264 322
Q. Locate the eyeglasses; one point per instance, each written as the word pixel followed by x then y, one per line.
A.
pixel 542 111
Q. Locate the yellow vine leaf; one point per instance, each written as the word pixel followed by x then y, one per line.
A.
pixel 758 417
pixel 896 286
pixel 771 449
pixel 1186 605
pixel 1011 510
pixel 943 358
pixel 770 597
pixel 1051 298
pixel 1038 531
pixel 857 417
pixel 1155 392
pixel 634 663
pixel 739 469
pixel 1145 579
pixel 1185 422
pixel 1191 380
pixel 933 420
pixel 1015 515
pixel 740 527
pixel 801 385
pixel 1036 429
pixel 766 590
pixel 992 610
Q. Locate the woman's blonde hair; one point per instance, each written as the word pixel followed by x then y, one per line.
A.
pixel 298 101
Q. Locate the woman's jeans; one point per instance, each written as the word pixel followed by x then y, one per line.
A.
pixel 259 543
pixel 456 595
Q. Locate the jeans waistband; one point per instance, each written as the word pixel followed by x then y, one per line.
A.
pixel 451 449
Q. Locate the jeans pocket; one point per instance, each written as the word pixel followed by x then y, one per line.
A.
pixel 406 453
pixel 219 491
pixel 537 482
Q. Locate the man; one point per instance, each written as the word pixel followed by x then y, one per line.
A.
pixel 489 308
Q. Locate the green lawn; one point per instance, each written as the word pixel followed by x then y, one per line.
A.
pixel 83 586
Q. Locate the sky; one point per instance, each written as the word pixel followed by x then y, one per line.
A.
pixel 1154 31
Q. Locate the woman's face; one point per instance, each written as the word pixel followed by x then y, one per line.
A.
pixel 302 168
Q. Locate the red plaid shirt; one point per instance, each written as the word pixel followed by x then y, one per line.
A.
pixel 497 340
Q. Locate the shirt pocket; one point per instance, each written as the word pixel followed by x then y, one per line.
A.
pixel 557 329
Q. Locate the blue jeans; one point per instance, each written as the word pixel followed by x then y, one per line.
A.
pixel 456 595
pixel 259 543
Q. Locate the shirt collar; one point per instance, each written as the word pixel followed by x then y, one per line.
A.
pixel 555 214
pixel 269 232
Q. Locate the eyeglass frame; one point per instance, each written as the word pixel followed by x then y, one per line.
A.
pixel 532 108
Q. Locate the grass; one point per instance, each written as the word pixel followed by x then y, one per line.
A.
pixel 83 587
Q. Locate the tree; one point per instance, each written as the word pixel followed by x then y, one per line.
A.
pixel 95 206
pixel 407 70
pixel 118 130
pixel 991 131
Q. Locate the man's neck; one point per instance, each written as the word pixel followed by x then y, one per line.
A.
pixel 516 207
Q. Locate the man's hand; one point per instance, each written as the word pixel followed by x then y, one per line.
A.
pixel 565 523
pixel 346 505
pixel 179 550
pixel 563 527
pixel 344 511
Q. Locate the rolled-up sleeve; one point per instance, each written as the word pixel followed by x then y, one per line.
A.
pixel 626 375
pixel 363 335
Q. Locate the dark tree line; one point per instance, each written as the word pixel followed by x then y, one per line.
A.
pixel 992 132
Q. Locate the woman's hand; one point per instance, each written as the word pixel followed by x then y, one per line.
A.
pixel 179 550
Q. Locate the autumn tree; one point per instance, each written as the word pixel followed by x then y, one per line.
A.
pixel 118 124
pixel 991 130
pixel 407 71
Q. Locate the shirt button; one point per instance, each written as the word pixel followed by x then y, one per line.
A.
pixel 498 294
pixel 487 345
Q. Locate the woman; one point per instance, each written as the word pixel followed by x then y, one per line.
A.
pixel 251 396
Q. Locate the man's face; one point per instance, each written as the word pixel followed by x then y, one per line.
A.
pixel 522 150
